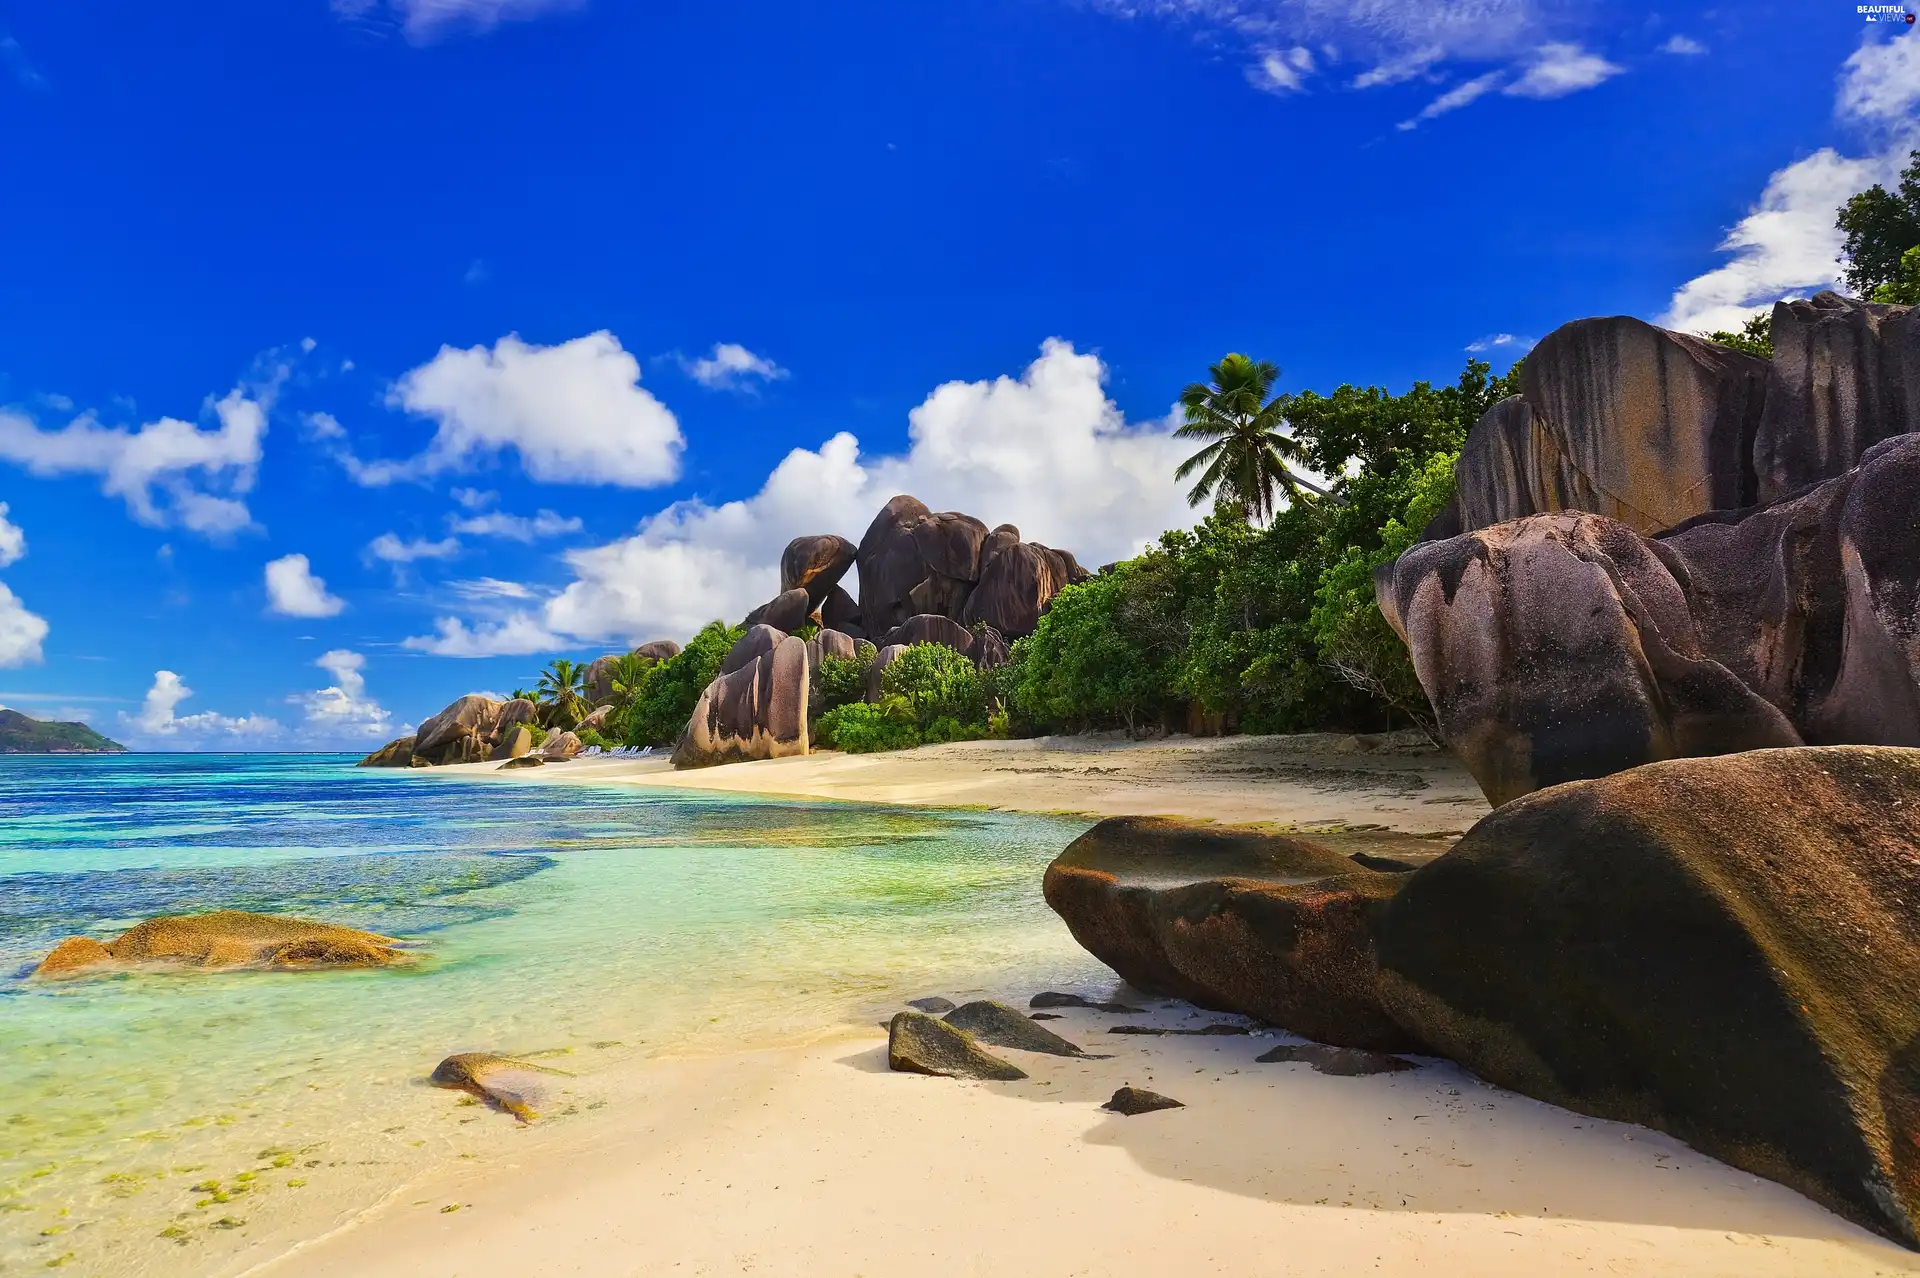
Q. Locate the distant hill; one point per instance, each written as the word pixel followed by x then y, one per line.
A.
pixel 21 735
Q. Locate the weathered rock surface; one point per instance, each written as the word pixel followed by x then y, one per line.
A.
pixel 990 649
pixel 833 643
pixel 560 745
pixel 1018 580
pixel 462 733
pixel 512 1086
pixel 916 562
pixel 1002 1026
pixel 785 612
pixel 1130 1101
pixel 1562 647
pixel 930 628
pixel 933 1006
pixel 1232 919
pixel 1724 949
pixel 919 1044
pixel 757 710
pixel 397 753
pixel 596 681
pixel 756 643
pixel 658 650
pixel 515 743
pixel 229 939
pixel 877 669
pixel 524 761
pixel 1846 375
pixel 1342 1062
pixel 841 612
pixel 1616 417
pixel 815 565
pixel 1053 998
pixel 890 564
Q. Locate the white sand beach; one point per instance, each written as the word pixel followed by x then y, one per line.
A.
pixel 817 1160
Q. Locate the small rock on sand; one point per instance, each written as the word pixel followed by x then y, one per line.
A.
pixel 931 1006
pixel 1204 1031
pixel 1137 1100
pixel 1053 998
pixel 511 1086
pixel 1345 1062
pixel 918 1044
pixel 1004 1026
pixel 1045 1016
pixel 524 761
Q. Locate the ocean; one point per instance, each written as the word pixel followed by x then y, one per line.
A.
pixel 193 1123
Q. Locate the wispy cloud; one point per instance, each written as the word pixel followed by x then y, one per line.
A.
pixel 14 59
pixel 1682 46
pixel 1555 70
pixel 1502 343
pixel 1282 70
pixel 732 366
pixel 523 528
pixel 1455 98
pixel 423 21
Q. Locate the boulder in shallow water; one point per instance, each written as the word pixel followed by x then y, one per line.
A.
pixel 1130 1101
pixel 1724 949
pixel 231 939
pixel 998 1025
pixel 511 1086
pixel 397 753
pixel 919 1044
pixel 1232 919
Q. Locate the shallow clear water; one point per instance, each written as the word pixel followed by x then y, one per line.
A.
pixel 603 925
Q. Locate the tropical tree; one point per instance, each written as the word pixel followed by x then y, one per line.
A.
pixel 559 688
pixel 523 694
pixel 1880 226
pixel 1248 459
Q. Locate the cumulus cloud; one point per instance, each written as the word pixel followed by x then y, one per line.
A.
pixel 1555 70
pixel 157 717
pixel 1281 70
pixel 1787 245
pixel 343 710
pixel 574 413
pixel 424 21
pixel 497 523
pixel 732 366
pixel 1682 46
pixel 21 632
pixel 516 634
pixel 293 590
pixel 169 472
pixel 13 542
pixel 1047 451
pixel 392 549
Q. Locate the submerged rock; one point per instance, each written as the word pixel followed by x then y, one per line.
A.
pixel 934 1006
pixel 512 1086
pixel 1003 1026
pixel 1053 998
pixel 1342 1062
pixel 919 1044
pixel 1723 949
pixel 1138 1100
pixel 228 939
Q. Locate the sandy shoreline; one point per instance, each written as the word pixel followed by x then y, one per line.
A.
pixel 817 1160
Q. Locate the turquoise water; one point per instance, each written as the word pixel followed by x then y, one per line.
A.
pixel 180 1122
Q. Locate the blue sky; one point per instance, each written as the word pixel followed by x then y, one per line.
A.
pixel 354 356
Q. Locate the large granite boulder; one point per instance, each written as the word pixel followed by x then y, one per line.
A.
pixel 596 681
pixel 757 710
pixel 561 745
pixel 397 753
pixel 1561 647
pixel 840 612
pixel 1846 375
pixel 518 711
pixel 1233 919
pixel 515 743
pixel 465 732
pixel 756 643
pixel 930 628
pixel 227 939
pixel 1617 417
pixel 786 611
pixel 658 650
pixel 890 564
pixel 1724 949
pixel 876 670
pixel 815 565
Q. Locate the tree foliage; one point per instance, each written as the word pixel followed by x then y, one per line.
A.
pixel 658 708
pixel 1754 338
pixel 1880 227
pixel 1249 457
pixel 1904 288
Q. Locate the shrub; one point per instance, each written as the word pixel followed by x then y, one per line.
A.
pixel 591 737
pixel 861 728
pixel 936 682
pixel 660 707
pixel 843 680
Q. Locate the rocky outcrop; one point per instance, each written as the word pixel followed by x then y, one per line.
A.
pixel 515 743
pixel 875 675
pixel 1234 920
pixel 786 612
pixel 840 612
pixel 815 565
pixel 999 1025
pixel 1017 581
pixel 1724 949
pixel 561 745
pixel 1845 376
pixel 462 733
pixel 1562 647
pixel 596 681
pixel 227 939
pixel 658 650
pixel 918 1044
pixel 930 628
pixel 397 753
pixel 511 1086
pixel 756 709
pixel 914 562
pixel 890 564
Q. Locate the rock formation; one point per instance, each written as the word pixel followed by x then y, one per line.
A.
pixel 1234 920
pixel 512 1086
pixel 658 650
pixel 815 565
pixel 877 670
pixel 930 628
pixel 914 562
pixel 999 1025
pixel 756 708
pixel 919 1044
pixel 226 939
pixel 516 742
pixel 786 611
pixel 1724 949
pixel 397 753
pixel 561 745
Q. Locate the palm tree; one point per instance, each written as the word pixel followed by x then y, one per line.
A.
pixel 1251 449
pixel 560 690
pixel 522 694
pixel 628 674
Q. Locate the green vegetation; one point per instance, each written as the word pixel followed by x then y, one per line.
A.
pixel 560 700
pixel 658 706
pixel 1246 464
pixel 1754 338
pixel 1904 288
pixel 1881 227
pixel 22 735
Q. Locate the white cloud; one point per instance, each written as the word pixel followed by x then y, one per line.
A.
pixel 1501 342
pixel 1455 98
pixel 21 632
pixel 167 471
pixel 389 548
pixel 1281 70
pixel 474 498
pixel 13 542
pixel 1046 451
pixel 1787 245
pixel 497 523
pixel 343 711
pixel 293 590
pixel 516 634
pixel 426 20
pixel 1411 65
pixel 732 366
pixel 575 413
pixel 1555 70
pixel 157 718
pixel 1682 46
pixel 324 426
pixel 483 588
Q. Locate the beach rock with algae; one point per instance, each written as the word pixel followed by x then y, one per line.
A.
pixel 1724 949
pixel 998 1025
pixel 504 1083
pixel 919 1044
pixel 228 939
pixel 1236 920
